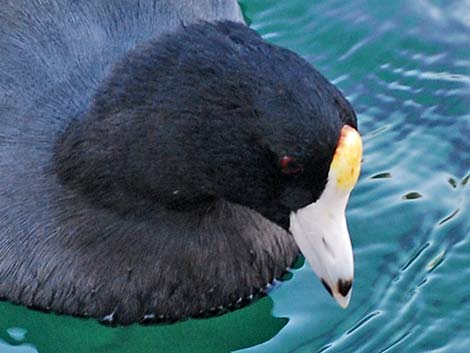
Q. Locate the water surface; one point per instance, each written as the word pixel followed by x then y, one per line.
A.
pixel 405 66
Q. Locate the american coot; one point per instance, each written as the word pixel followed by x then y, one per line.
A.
pixel 156 156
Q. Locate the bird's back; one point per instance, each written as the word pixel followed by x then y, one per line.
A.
pixel 59 252
pixel 64 47
pixel 53 56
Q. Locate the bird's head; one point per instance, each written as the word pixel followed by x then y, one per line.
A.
pixel 230 116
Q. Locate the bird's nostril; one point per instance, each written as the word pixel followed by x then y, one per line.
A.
pixel 328 248
pixel 344 286
pixel 327 287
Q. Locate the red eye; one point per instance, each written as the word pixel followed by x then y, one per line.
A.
pixel 289 166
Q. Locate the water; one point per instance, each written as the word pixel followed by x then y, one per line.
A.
pixel 405 65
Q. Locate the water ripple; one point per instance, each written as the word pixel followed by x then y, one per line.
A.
pixel 409 215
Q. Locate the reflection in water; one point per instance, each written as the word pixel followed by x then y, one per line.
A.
pixel 56 333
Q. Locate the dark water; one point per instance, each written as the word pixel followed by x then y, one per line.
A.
pixel 405 65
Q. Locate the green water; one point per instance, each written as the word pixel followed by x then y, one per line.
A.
pixel 405 65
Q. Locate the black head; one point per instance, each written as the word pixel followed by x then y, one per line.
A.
pixel 214 111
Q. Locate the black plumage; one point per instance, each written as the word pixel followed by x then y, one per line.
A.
pixel 139 156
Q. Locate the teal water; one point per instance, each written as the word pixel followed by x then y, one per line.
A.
pixel 405 66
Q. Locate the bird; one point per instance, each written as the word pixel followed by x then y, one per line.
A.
pixel 160 160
